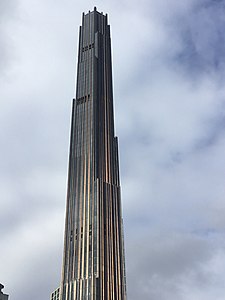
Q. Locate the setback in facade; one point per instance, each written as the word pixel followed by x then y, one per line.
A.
pixel 93 261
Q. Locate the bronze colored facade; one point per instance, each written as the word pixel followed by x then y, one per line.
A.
pixel 93 261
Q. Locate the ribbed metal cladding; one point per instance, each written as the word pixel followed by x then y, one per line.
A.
pixel 93 261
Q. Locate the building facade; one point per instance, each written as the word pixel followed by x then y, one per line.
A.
pixel 93 261
pixel 2 295
pixel 55 295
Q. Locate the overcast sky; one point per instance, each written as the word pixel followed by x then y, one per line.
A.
pixel 169 93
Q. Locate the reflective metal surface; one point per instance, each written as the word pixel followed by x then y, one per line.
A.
pixel 93 261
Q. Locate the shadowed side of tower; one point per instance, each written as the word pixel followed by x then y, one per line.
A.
pixel 93 261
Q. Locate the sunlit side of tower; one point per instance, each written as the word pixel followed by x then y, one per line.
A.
pixel 93 262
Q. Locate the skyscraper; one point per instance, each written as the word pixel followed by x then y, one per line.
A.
pixel 93 261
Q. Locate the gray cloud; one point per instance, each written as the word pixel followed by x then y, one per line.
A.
pixel 6 52
pixel 175 265
pixel 203 40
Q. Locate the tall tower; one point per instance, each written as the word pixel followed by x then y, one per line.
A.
pixel 93 261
